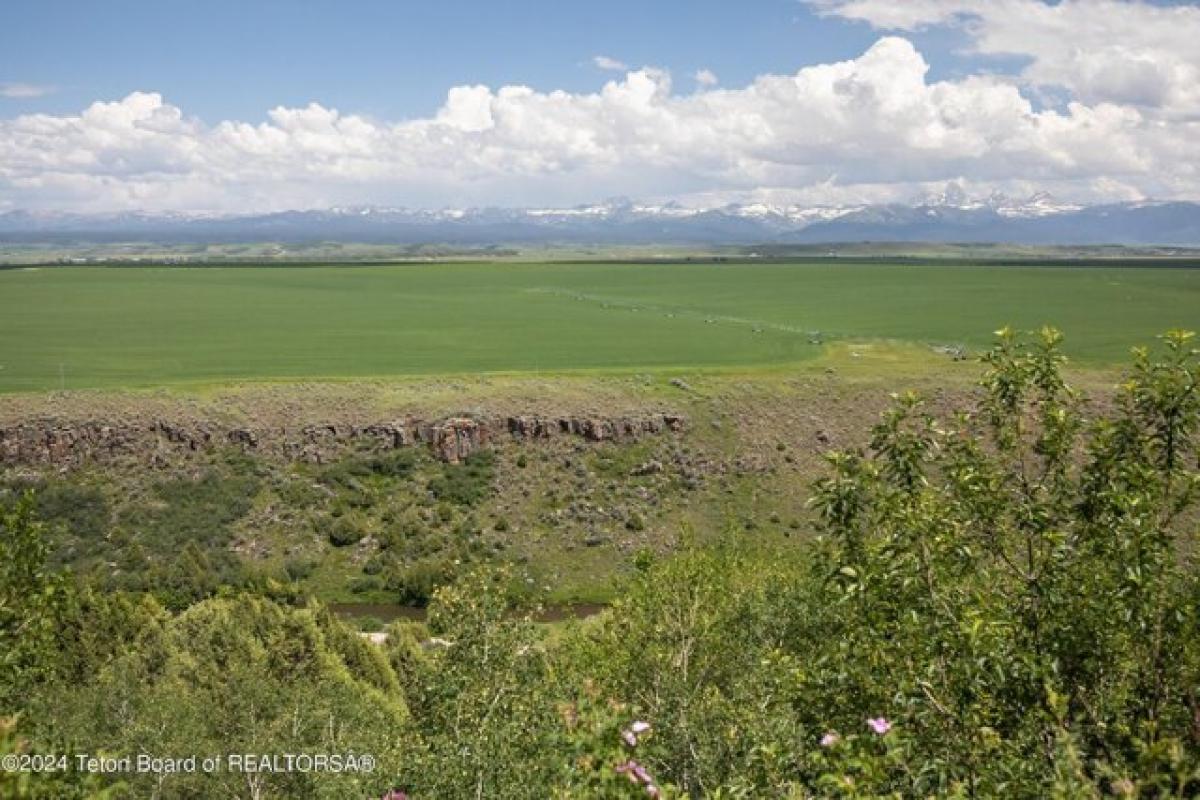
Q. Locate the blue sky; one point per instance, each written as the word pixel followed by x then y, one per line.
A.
pixel 1094 99
pixel 223 59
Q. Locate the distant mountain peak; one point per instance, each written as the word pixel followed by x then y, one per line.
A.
pixel 950 215
pixel 953 196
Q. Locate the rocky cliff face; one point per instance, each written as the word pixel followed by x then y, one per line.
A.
pixel 66 443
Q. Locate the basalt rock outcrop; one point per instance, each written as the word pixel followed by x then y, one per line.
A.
pixel 65 443
pixel 595 429
pixel 454 439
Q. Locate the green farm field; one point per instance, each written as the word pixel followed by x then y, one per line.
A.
pixel 110 327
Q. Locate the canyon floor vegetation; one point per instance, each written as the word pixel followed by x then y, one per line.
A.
pixel 997 599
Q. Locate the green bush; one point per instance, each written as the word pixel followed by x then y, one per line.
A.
pixel 31 602
pixel 200 510
pixel 239 675
pixel 369 624
pixel 351 475
pixel 345 530
pixel 365 584
pixel 298 568
pixel 467 483
pixel 415 584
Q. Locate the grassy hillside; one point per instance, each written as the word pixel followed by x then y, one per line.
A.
pixel 569 516
pixel 115 327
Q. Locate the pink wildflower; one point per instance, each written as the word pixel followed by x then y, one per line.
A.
pixel 880 725
pixel 628 769
pixel 830 739
pixel 631 734
pixel 638 774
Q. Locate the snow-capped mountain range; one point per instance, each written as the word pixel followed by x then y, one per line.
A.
pixel 948 216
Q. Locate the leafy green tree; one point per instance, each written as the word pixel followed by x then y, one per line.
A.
pixel 31 600
pixel 480 697
pixel 1020 577
pixel 231 675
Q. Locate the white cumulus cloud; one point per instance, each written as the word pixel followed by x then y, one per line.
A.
pixel 868 128
pixel 24 90
pixel 609 64
pixel 1120 51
